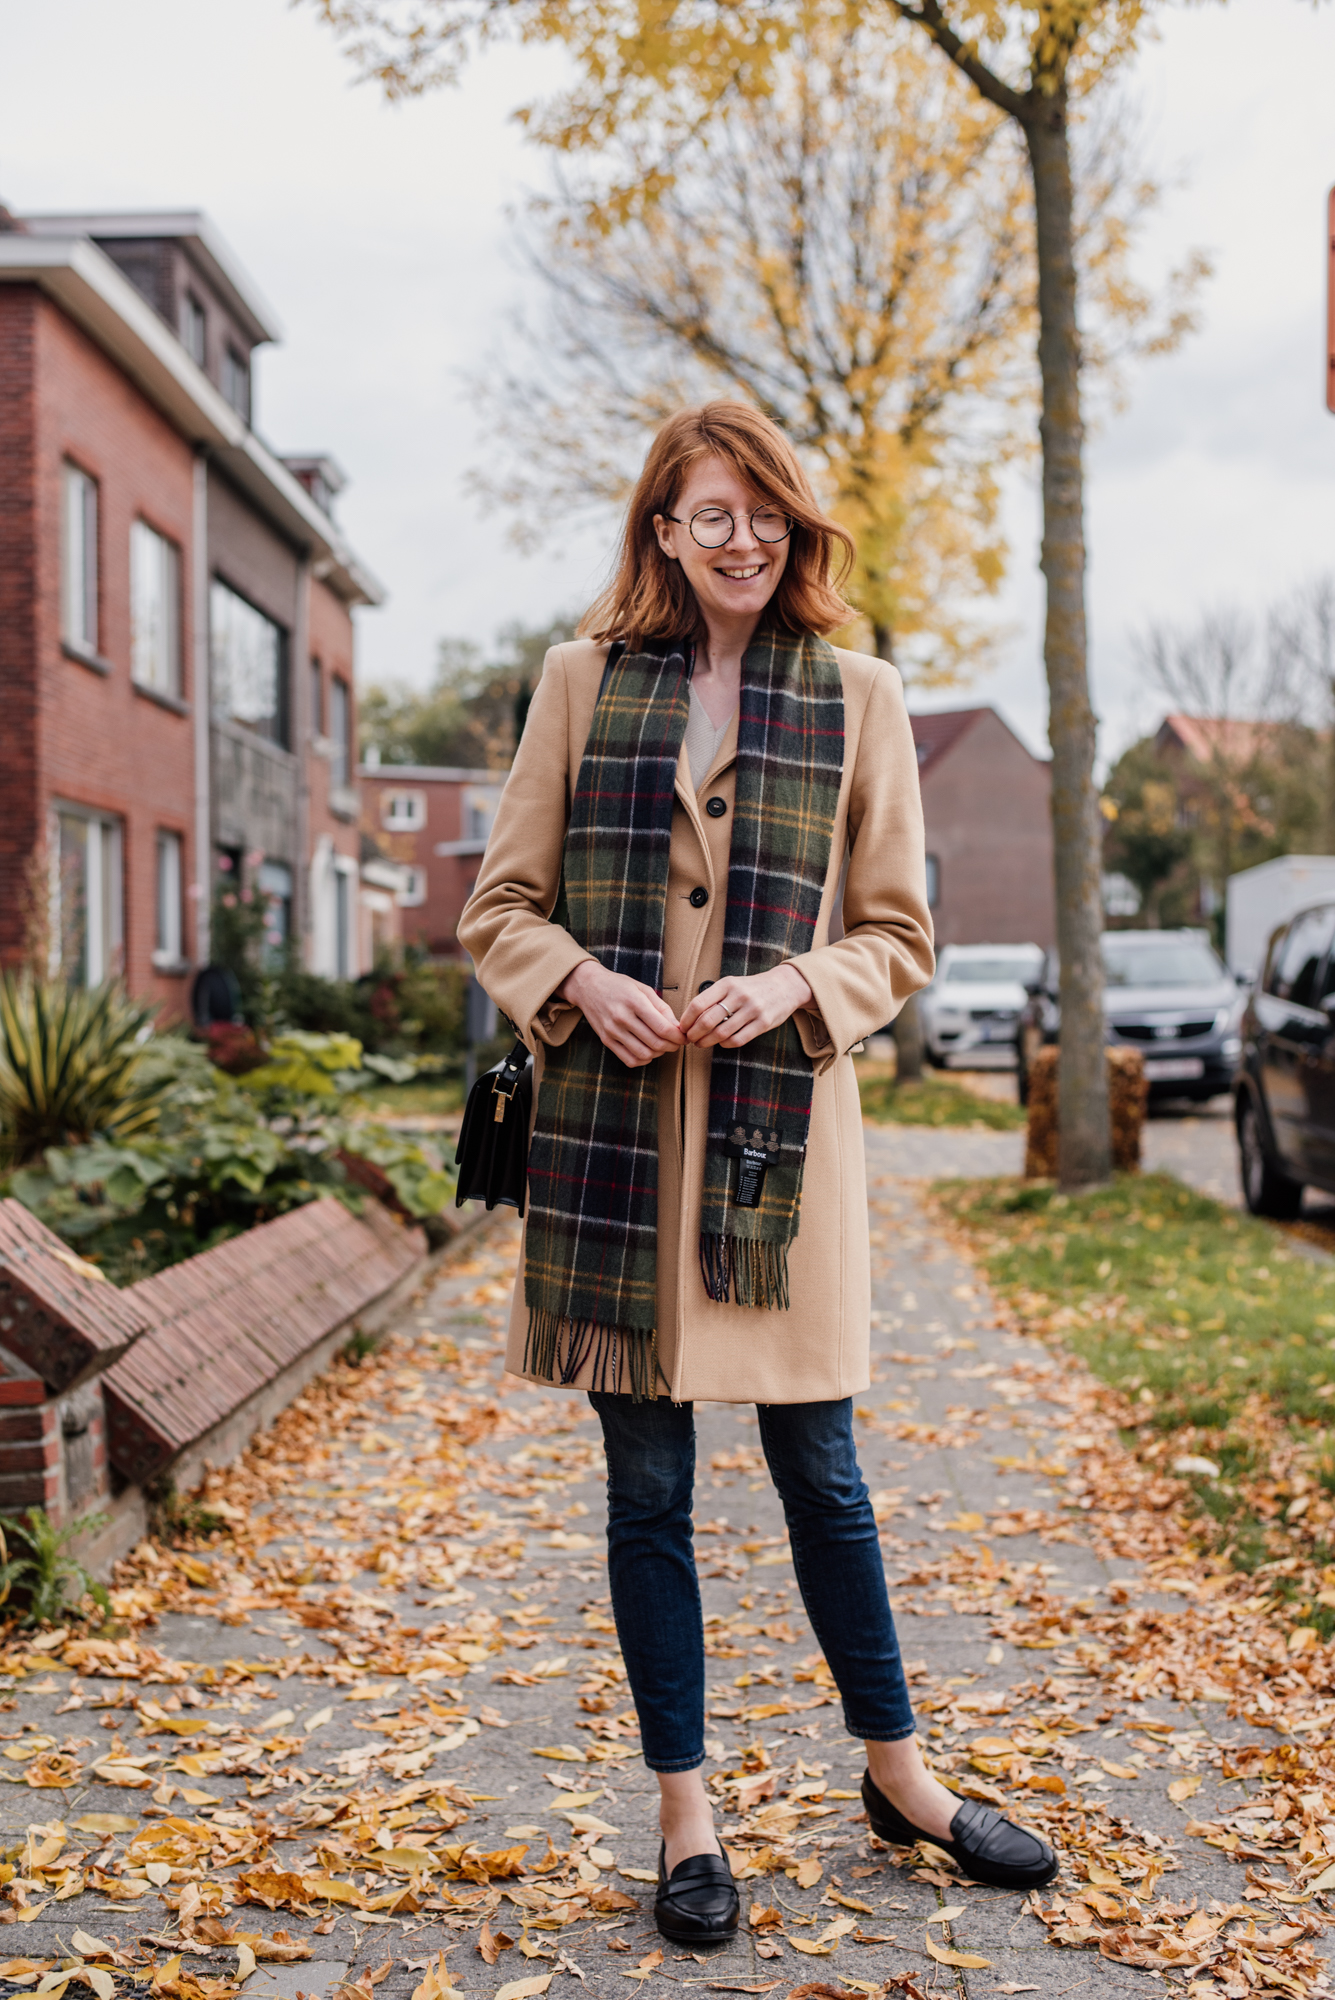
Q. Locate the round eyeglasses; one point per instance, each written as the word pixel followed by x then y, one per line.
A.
pixel 714 527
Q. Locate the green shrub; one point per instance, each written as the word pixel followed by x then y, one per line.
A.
pixel 71 1066
pixel 43 1572
pixel 226 1153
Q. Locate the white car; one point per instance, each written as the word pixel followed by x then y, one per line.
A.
pixel 975 1000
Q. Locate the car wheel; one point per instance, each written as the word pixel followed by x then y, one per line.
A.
pixel 1265 1189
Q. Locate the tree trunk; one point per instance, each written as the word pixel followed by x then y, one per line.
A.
pixel 883 639
pixel 1085 1155
pixel 907 1031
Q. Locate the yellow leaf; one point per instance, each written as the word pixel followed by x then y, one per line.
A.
pixel 88 1947
pixel 245 1962
pixel 564 1753
pixel 967 1524
pixel 811 1949
pixel 808 1873
pixel 104 1823
pixel 523 1989
pixel 639 1874
pixel 101 1981
pixel 436 1985
pixel 948 1915
pixel 944 1956
pixel 1185 1788
pixel 1118 1770
pixel 318 1720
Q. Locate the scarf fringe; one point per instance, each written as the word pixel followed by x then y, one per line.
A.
pixel 751 1273
pixel 632 1350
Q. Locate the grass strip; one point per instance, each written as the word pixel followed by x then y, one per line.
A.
pixel 931 1102
pixel 1217 1331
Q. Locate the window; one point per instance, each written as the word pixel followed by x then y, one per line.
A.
pixel 1299 958
pixel 317 699
pixel 194 328
pixel 1172 959
pixel 477 810
pixel 236 382
pixel 933 881
pixel 87 896
pixel 401 812
pixel 155 610
pixel 248 653
pixel 274 881
pixel 79 561
pixel 414 895
pixel 340 731
pixel 167 950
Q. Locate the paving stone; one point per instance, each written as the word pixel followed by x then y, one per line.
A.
pixel 927 1303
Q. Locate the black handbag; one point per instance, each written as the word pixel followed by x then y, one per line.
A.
pixel 492 1156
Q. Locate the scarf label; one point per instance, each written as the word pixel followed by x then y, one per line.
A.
pixel 754 1150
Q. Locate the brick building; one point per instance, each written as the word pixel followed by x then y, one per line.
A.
pixel 176 633
pixel 986 804
pixel 434 819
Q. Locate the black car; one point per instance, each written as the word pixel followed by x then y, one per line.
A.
pixel 1285 1093
pixel 1166 994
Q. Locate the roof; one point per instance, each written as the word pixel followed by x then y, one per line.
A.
pixel 936 733
pixel 83 282
pixel 1204 737
pixel 197 235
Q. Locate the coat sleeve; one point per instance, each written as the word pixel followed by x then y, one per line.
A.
pixel 861 981
pixel 520 957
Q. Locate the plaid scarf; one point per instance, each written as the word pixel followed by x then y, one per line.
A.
pixel 590 1268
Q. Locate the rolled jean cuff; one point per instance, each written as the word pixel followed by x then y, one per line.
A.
pixel 676 1764
pixel 880 1735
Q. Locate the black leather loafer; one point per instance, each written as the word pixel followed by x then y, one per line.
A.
pixel 987 1847
pixel 697 1903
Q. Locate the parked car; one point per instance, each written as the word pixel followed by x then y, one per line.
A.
pixel 1165 993
pixel 976 998
pixel 1284 1097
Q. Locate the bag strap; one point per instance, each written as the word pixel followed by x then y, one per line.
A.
pixel 507 1079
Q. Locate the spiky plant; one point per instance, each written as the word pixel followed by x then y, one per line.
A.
pixel 69 1065
pixel 44 1572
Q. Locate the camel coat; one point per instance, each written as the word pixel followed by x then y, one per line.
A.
pixel 817 1350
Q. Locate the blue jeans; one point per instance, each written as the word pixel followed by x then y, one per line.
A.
pixel 813 1462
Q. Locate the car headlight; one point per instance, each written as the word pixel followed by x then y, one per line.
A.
pixel 1231 1048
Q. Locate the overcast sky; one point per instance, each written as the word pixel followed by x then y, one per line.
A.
pixel 379 236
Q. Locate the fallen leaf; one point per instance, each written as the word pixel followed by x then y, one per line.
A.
pixel 523 1989
pixel 944 1956
pixel 1185 1788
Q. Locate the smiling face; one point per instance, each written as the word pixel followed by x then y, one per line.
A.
pixel 739 580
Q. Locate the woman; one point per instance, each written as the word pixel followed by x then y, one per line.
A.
pixel 704 886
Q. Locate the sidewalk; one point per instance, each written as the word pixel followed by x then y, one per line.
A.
pixel 408 1649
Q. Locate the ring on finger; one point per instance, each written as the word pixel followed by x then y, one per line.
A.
pixel 726 1011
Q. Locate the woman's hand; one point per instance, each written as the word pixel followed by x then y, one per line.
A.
pixel 630 1019
pixel 734 1011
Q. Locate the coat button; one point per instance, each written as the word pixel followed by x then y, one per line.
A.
pixel 716 808
pixel 699 897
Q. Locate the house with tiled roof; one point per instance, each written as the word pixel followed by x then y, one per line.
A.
pixel 986 805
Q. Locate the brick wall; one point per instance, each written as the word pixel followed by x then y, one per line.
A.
pixel 102 742
pixel 986 806
pixel 19 810
pixel 449 877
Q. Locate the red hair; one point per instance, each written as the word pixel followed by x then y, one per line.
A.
pixel 649 597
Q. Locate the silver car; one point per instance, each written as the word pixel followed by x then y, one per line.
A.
pixel 975 1001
